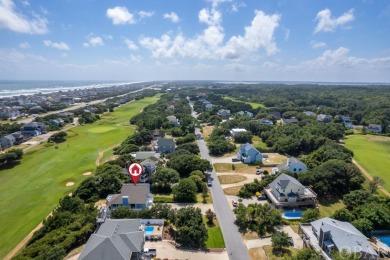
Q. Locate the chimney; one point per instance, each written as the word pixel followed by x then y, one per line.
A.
pixel 125 200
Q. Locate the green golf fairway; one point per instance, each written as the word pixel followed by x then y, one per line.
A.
pixel 31 190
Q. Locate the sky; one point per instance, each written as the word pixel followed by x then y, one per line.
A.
pixel 235 40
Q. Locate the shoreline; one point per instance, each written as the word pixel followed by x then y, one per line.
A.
pixel 56 87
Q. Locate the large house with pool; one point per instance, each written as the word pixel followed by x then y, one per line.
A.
pixel 327 235
pixel 286 191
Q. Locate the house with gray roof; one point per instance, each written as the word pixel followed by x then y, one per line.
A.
pixel 224 113
pixel 115 239
pixel 165 145
pixel 135 196
pixel 241 113
pixel 173 120
pixel 374 128
pixel 33 129
pixel 286 191
pixel 309 113
pixel 145 155
pixel 324 118
pixel 291 165
pixel 248 154
pixel 265 121
pixel 326 235
pixel 289 121
pixel 7 141
pixel 276 114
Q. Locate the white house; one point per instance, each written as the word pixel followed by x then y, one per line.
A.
pixel 266 121
pixel 248 154
pixel 235 131
pixel 291 165
pixel 286 191
pixel 324 118
pixel 173 120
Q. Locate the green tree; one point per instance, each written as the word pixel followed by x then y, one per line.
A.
pixel 58 137
pixel 343 215
pixel 163 180
pixel 364 225
pixel 185 191
pixel 123 212
pixel 356 198
pixel 305 254
pixel 243 137
pixel 210 215
pixel 191 147
pixel 187 163
pixel 279 240
pixel 344 255
pixel 310 215
pixel 375 183
pixel 191 230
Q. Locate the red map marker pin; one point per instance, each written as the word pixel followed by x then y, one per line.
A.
pixel 135 170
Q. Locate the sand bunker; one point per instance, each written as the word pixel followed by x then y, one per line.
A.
pixel 69 184
pixel 87 173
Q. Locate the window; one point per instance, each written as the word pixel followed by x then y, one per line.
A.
pixel 295 169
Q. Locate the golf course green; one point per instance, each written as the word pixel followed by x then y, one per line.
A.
pixel 372 152
pixel 31 190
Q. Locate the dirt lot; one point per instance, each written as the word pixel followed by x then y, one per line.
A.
pixel 165 250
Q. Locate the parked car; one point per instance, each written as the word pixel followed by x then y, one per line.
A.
pixel 235 160
pixel 209 183
pixel 291 241
pixel 234 203
pixel 150 252
pixel 262 197
pixel 259 171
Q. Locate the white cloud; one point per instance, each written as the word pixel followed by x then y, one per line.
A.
pixel 144 14
pixel 235 7
pixel 209 45
pixel 328 24
pixel 215 3
pixel 130 44
pixel 269 65
pixel 24 45
pixel 11 20
pixel 58 45
pixel 132 59
pixel 317 45
pixel 172 16
pixel 120 15
pixel 339 61
pixel 26 2
pixel 93 41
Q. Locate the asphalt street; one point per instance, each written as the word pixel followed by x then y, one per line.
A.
pixel 233 241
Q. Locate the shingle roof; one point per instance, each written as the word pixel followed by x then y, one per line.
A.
pixel 145 155
pixel 284 180
pixel 344 235
pixel 115 239
pixel 138 194
pixel 165 142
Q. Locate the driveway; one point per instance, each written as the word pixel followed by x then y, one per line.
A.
pixel 259 242
pixel 224 160
pixel 203 207
pixel 246 202
pixel 233 241
pixel 165 250
pixel 298 242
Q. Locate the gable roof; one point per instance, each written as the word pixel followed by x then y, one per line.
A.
pixel 115 239
pixel 286 165
pixel 344 235
pixel 138 194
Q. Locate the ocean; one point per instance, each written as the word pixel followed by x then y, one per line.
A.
pixel 9 88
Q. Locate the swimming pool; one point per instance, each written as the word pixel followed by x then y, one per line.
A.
pixel 385 239
pixel 149 230
pixel 292 214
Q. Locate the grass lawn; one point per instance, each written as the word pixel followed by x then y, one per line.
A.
pixel 209 199
pixel 215 239
pixel 31 190
pixel 372 153
pixel 238 168
pixel 285 252
pixel 260 145
pixel 257 253
pixel 229 179
pixel 207 131
pixel 254 105
pixel 328 207
pixel 232 191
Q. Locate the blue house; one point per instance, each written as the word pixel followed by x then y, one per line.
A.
pixel 134 196
pixel 248 154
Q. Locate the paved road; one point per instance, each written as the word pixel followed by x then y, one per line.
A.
pixel 233 241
